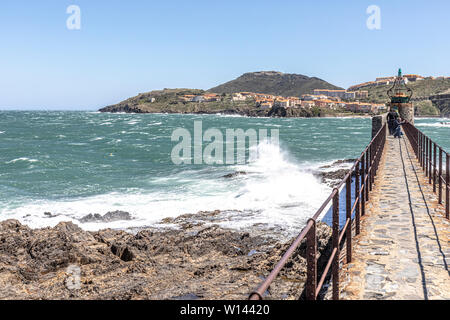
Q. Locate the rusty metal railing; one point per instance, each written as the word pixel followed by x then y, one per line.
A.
pixel 364 170
pixel 430 156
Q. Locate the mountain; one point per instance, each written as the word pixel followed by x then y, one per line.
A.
pixel 272 82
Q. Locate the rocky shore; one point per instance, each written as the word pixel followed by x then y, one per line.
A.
pixel 278 112
pixel 194 261
pixel 333 174
pixel 275 112
pixel 187 257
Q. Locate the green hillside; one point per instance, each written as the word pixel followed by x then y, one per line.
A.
pixel 421 89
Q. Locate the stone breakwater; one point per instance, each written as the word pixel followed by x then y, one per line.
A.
pixel 403 250
pixel 194 261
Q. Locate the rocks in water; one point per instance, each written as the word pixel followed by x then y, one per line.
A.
pixel 333 177
pixel 108 217
pixel 235 174
pixel 277 111
pixel 50 215
pixel 339 162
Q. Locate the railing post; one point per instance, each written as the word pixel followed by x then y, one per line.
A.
pixel 373 166
pixel 426 156
pixel 348 215
pixel 363 186
pixel 416 137
pixel 357 198
pixel 375 157
pixel 335 235
pixel 434 167
pixel 366 179
pixel 419 137
pixel 440 175
pixel 447 188
pixel 430 154
pixel 424 152
pixel 311 257
pixel 421 150
pixel 369 168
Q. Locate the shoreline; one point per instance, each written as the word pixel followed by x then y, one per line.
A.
pixel 187 257
pixel 327 173
pixel 294 113
pixel 196 262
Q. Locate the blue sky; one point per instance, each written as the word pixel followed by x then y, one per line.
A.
pixel 128 47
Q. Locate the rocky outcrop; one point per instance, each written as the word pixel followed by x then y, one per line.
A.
pixel 442 102
pixel 107 217
pixel 289 112
pixel 196 261
pixel 333 174
pixel 122 108
pixel 235 174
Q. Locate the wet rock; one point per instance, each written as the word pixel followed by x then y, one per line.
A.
pixel 339 162
pixel 108 217
pixel 50 215
pixel 334 176
pixel 235 174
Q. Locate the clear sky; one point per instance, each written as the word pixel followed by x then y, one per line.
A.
pixel 127 47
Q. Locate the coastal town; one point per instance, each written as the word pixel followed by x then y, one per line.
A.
pixel 275 94
pixel 320 98
pixel 354 99
pixel 390 80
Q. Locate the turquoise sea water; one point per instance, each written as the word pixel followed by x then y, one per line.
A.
pixel 75 163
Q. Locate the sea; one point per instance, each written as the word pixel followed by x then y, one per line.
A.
pixel 61 166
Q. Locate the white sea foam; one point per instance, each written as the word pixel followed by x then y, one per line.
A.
pixel 133 122
pixel 279 192
pixel 230 115
pixel 77 144
pixel 437 125
pixel 22 159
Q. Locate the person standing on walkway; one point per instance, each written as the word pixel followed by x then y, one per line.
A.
pixel 391 118
pixel 398 128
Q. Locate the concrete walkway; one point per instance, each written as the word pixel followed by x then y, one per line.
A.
pixel 403 251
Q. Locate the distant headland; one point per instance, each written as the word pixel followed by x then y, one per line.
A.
pixel 276 94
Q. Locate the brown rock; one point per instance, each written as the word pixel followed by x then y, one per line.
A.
pixel 206 261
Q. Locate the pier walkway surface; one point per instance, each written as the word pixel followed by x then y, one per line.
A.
pixel 403 251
